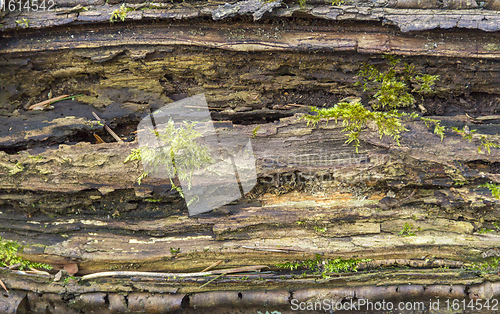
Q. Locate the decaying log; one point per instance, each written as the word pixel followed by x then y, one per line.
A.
pixel 415 213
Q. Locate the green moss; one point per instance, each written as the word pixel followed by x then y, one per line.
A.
pixel 497 226
pixel 119 14
pixel 486 144
pixel 485 267
pixel 438 129
pixel 355 117
pixel 8 256
pixel 175 250
pixel 466 133
pixel 321 230
pixel 389 91
pixel 406 232
pixel 494 188
pixel 38 157
pixel 254 132
pixel 152 200
pixel 70 278
pixel 324 266
pixel 484 230
pixel 176 140
pixel 24 22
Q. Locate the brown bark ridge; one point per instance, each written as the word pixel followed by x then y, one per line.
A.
pixel 415 213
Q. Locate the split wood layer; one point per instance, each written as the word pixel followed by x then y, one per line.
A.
pixel 73 299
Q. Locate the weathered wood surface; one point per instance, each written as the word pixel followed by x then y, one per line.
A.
pixel 405 14
pixel 72 200
pixel 301 169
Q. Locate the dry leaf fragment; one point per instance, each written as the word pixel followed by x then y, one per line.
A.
pixel 71 268
pixel 99 139
pixel 212 266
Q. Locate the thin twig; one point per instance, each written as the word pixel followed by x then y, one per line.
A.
pixel 47 102
pixel 199 107
pixel 297 105
pixel 3 286
pixel 37 272
pixel 212 266
pixel 166 275
pixel 113 134
pixel 281 250
pixel 206 283
pixel 493 117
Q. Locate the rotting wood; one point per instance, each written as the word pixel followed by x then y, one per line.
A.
pixel 78 203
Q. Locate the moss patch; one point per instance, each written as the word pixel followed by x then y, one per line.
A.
pixel 324 266
pixel 8 256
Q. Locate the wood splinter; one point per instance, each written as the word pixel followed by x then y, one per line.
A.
pixel 113 134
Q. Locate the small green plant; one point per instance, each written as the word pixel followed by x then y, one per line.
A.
pixel 337 2
pixel 355 117
pixel 485 267
pixel 302 4
pixel 391 88
pixel 406 232
pixel 486 144
pixel 321 230
pixel 119 14
pixel 254 132
pixel 425 84
pixel 180 156
pixel 465 132
pixel 497 225
pixel 135 154
pixel 494 189
pixel 67 279
pixel 24 22
pixel 8 256
pixel 390 91
pixel 484 230
pixel 438 129
pixel 175 250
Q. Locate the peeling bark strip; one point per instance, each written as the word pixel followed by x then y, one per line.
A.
pixel 408 15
